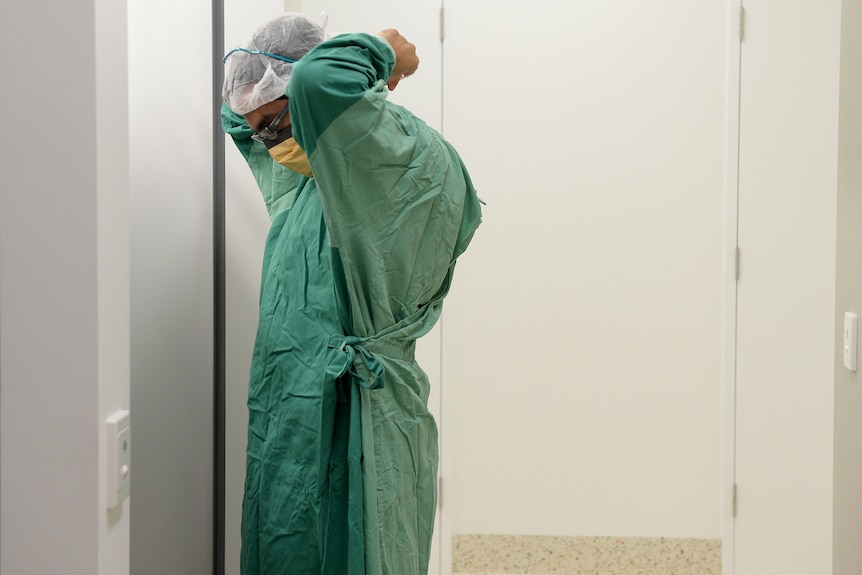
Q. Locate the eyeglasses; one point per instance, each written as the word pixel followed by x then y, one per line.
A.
pixel 271 131
pixel 261 52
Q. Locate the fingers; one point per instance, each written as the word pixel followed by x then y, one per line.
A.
pixel 406 60
pixel 393 82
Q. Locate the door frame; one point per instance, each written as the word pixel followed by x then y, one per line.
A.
pixel 729 288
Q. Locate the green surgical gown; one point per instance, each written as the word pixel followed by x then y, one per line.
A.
pixel 342 451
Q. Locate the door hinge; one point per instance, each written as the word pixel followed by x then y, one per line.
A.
pixel 442 24
pixel 439 492
pixel 741 23
pixel 736 263
pixel 734 499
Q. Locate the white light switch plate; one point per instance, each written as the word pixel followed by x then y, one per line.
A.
pixel 119 457
pixel 850 340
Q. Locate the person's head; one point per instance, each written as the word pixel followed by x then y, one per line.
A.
pixel 257 73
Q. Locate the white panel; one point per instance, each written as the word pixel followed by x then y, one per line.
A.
pixel 585 405
pixel 63 287
pixel 170 63
pixel 48 327
pixel 786 296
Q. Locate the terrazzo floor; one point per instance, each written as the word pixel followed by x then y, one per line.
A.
pixel 535 555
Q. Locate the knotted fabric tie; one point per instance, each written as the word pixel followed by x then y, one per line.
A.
pixel 366 369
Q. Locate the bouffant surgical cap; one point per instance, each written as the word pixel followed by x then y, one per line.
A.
pixel 258 72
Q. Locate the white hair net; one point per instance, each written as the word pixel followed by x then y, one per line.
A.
pixel 252 79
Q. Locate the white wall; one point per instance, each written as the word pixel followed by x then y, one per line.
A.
pixel 170 63
pixel 587 314
pixel 64 283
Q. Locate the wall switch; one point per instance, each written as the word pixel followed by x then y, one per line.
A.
pixel 119 457
pixel 850 341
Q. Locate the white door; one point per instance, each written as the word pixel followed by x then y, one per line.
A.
pixel 785 297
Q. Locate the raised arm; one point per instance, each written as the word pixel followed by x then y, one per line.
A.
pixel 335 75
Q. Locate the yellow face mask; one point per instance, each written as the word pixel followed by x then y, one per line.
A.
pixel 291 156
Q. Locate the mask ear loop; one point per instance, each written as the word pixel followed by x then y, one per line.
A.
pixel 324 20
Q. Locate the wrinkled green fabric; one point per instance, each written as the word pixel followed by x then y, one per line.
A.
pixel 400 208
pixel 302 505
pixel 342 451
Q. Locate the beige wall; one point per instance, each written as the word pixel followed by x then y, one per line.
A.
pixel 588 312
pixel 848 386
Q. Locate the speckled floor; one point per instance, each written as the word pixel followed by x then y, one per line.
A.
pixel 533 555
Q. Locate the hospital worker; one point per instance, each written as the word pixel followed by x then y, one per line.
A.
pixel 369 208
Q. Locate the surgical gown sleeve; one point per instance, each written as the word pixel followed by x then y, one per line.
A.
pixel 277 184
pixel 398 201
